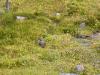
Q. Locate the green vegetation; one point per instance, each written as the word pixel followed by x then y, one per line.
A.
pixel 19 50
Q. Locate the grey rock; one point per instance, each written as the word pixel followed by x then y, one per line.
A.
pixel 41 42
pixel 68 74
pixel 80 67
pixel 97 64
pixel 96 36
pixel 58 14
pixel 20 17
pixel 7 6
pixel 82 25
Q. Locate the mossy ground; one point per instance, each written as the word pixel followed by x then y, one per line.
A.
pixel 19 51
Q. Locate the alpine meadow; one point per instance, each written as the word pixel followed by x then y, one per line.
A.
pixel 49 37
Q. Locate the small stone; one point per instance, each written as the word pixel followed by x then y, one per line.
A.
pixel 58 14
pixel 41 42
pixel 82 25
pixel 68 74
pixel 7 5
pixel 96 36
pixel 80 67
pixel 20 17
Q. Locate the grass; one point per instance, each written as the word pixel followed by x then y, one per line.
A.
pixel 19 50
